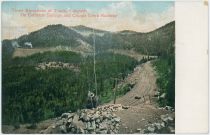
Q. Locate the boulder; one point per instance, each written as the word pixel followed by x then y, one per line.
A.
pixel 125 107
pixel 65 115
pixel 63 129
pixel 162 124
pixel 151 129
pixel 86 118
pixel 170 119
pixel 73 130
pixel 117 119
pixel 98 120
pixel 101 118
pixel 90 128
pixel 115 131
pixel 111 127
pixel 87 125
pixel 103 126
pixel 64 120
pixel 108 116
pixel 158 125
pixel 93 124
pixel 70 120
pixel 164 118
pixel 81 115
pixel 95 116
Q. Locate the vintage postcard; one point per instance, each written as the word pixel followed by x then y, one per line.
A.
pixel 90 67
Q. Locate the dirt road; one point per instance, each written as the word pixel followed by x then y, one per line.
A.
pixel 144 78
pixel 142 109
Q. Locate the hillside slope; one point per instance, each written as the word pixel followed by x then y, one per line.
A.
pixel 156 42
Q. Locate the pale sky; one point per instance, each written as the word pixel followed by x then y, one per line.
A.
pixel 137 16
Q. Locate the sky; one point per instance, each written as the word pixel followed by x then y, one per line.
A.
pixel 140 16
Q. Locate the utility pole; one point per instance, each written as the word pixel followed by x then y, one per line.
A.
pixel 115 87
pixel 94 64
pixel 115 90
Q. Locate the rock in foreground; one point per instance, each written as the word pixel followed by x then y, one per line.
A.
pixel 100 120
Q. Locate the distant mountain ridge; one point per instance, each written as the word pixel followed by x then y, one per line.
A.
pixel 85 28
pixel 154 42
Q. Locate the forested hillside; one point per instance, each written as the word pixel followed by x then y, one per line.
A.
pixel 31 95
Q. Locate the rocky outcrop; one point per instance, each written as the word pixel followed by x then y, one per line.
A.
pixel 57 65
pixel 166 125
pixel 100 120
pixel 168 108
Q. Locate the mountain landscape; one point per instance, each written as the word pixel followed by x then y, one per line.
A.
pixel 50 71
pixel 156 42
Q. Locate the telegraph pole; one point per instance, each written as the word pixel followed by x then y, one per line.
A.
pixel 115 88
pixel 94 62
